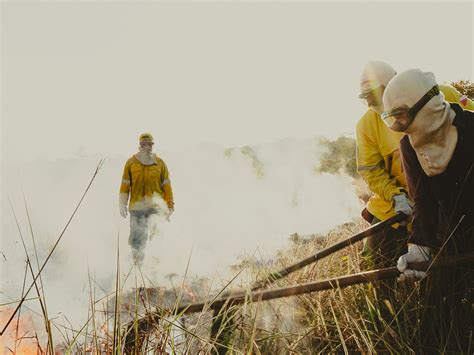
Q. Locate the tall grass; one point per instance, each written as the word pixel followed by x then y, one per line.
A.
pixel 143 319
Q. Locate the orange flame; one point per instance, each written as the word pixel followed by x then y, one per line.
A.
pixel 21 336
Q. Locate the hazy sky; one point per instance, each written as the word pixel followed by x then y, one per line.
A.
pixel 93 75
pixel 86 78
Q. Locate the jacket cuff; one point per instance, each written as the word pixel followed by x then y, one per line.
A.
pixel 123 198
pixel 397 191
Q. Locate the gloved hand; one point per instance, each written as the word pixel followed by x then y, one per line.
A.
pixel 123 210
pixel 415 253
pixel 169 213
pixel 404 205
pixel 123 200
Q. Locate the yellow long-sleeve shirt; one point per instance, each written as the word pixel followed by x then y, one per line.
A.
pixel 145 184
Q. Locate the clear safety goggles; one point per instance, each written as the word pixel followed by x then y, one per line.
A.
pixel 400 118
pixel 364 96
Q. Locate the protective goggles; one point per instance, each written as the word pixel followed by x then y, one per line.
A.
pixel 365 95
pixel 400 118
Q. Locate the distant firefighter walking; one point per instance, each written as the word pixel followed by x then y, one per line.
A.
pixel 146 189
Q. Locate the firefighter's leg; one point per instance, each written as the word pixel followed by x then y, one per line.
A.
pixel 382 250
pixel 155 218
pixel 371 247
pixel 138 235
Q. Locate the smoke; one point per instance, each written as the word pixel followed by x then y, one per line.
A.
pixel 229 203
pixel 145 225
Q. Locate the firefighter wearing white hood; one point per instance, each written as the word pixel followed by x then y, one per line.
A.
pixel 438 160
pixel 378 159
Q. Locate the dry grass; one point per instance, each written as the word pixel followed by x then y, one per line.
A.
pixel 344 320
pixel 144 320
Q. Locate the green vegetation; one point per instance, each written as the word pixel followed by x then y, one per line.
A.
pixel 340 156
pixel 465 87
pixel 250 155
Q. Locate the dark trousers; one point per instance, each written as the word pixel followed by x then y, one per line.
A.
pixel 447 322
pixel 383 249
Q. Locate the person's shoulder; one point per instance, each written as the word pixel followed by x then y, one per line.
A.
pixel 450 93
pixel 368 120
pixel 131 160
pixel 467 113
pixel 446 88
pixel 468 118
pixel 461 111
pixel 159 160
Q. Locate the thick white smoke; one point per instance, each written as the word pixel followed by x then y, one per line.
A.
pixel 229 203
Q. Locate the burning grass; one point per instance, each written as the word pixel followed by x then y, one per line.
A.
pixel 145 319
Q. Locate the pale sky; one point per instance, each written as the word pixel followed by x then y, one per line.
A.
pixel 86 78
pixel 94 75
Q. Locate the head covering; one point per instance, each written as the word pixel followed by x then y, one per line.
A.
pixel 431 134
pixel 376 74
pixel 145 137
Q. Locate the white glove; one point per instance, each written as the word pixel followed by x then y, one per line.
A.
pixel 123 210
pixel 123 199
pixel 415 253
pixel 404 205
pixel 169 213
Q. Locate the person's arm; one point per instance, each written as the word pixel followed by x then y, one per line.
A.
pixel 166 187
pixel 124 190
pixel 425 217
pixel 370 166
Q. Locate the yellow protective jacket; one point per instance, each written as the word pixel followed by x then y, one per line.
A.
pixel 378 157
pixel 146 184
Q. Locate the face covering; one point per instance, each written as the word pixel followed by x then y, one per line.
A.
pixel 431 133
pixel 145 155
pixel 434 138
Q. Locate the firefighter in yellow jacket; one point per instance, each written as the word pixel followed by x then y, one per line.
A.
pixel 146 188
pixel 379 164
